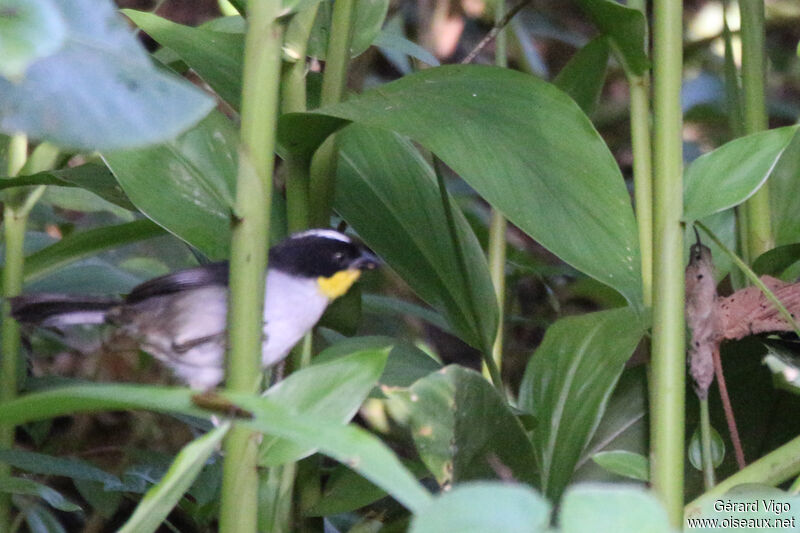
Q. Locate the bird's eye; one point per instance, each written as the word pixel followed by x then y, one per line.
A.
pixel 338 257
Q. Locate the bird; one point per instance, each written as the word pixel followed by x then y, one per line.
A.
pixel 180 318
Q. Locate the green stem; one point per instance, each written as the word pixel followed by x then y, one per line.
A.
pixel 668 357
pixel 14 223
pixel 705 442
pixel 759 226
pixel 334 83
pixel 776 467
pixel 498 224
pixel 238 510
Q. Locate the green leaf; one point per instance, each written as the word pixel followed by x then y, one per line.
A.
pixel 784 200
pixel 625 463
pixel 484 507
pixel 29 30
pixel 41 520
pixel 584 75
pixel 610 508
pixel 85 244
pixel 695 449
pixel 388 192
pixel 405 365
pixel 159 501
pixel 346 491
pixel 463 429
pixel 99 91
pixel 16 485
pixel 626 29
pixel 368 19
pixel 733 172
pixel 351 445
pixel 186 185
pixel 391 42
pixel 92 177
pixel 393 307
pixel 525 146
pixel 49 465
pixel 567 384
pixel 775 261
pixel 216 56
pixel 333 390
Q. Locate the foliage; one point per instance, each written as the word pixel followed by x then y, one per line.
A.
pixel 140 169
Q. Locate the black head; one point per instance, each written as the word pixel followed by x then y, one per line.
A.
pixel 320 253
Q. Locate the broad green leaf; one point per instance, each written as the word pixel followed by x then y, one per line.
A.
pixel 92 177
pixel 405 365
pixel 388 193
pixel 85 244
pixel 525 146
pixel 28 487
pixel 186 185
pixel 29 30
pixel 775 261
pixel 733 172
pixel 567 385
pixel 391 42
pixel 624 463
pixel 216 56
pixel 368 19
pixel 41 520
pixel 606 508
pixel 695 449
pixel 386 305
pixel 99 90
pixel 350 445
pixel 463 429
pixel 49 465
pixel 333 390
pixel 784 200
pixel 346 491
pixel 626 29
pixel 484 507
pixel 623 426
pixel 583 76
pixel 159 501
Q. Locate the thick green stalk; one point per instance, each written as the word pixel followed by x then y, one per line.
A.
pixel 334 83
pixel 778 466
pixel 668 349
pixel 705 445
pixel 238 510
pixel 14 221
pixel 639 87
pixel 759 226
pixel 498 224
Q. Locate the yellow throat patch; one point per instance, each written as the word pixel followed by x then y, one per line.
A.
pixel 339 283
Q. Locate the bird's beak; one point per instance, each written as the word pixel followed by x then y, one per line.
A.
pixel 367 261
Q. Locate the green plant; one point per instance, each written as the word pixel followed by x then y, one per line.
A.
pixel 449 174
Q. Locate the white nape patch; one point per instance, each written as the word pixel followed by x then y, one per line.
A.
pixel 325 233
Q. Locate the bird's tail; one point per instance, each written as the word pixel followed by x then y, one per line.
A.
pixel 58 310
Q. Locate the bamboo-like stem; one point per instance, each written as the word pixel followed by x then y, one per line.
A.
pixel 705 445
pixel 497 223
pixel 238 510
pixel 759 226
pixel 668 356
pixel 776 467
pixel 641 145
pixel 14 222
pixel 334 83
pixel 294 100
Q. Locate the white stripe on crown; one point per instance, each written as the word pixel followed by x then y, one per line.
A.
pixel 324 233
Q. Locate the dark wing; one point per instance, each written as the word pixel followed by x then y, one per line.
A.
pixel 184 280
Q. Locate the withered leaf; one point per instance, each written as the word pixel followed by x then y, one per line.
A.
pixel 748 312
